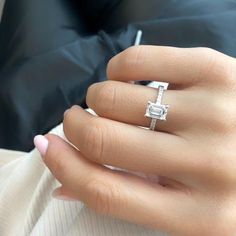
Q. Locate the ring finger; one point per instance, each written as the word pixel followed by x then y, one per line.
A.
pixel 127 103
pixel 112 143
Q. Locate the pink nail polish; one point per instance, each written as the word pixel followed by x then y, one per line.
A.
pixel 41 143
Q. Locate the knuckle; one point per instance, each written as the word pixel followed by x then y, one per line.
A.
pixel 91 92
pixel 68 117
pixel 104 196
pixel 226 74
pixel 222 116
pixel 133 57
pixel 229 78
pixel 69 114
pixel 94 135
pixel 218 67
pixel 208 52
pixel 210 63
pixel 106 98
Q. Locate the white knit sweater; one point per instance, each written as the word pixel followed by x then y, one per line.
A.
pixel 27 208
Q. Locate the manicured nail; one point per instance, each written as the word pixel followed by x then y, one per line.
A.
pixel 41 143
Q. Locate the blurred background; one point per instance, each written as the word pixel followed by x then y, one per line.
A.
pixel 51 51
pixel 1 7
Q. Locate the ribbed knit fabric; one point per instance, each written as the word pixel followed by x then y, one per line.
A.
pixel 27 208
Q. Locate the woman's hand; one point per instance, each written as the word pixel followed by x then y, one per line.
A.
pixel 193 152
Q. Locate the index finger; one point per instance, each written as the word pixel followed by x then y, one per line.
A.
pixel 186 66
pixel 115 193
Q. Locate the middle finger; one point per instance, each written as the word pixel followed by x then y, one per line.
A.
pixel 128 147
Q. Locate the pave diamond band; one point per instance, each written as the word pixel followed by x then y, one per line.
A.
pixel 157 111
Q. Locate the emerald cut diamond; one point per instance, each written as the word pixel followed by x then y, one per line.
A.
pixel 156 111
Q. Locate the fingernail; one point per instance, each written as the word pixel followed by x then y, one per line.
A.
pixel 41 143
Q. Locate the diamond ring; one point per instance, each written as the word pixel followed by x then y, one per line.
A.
pixel 157 111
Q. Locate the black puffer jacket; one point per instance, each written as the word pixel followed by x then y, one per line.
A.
pixel 52 50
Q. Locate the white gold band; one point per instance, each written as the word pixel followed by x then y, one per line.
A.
pixel 157 111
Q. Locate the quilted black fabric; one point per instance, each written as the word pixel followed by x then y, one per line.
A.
pixel 52 50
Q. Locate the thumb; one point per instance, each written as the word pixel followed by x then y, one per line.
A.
pixel 55 153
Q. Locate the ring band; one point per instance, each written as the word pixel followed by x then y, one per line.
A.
pixel 157 111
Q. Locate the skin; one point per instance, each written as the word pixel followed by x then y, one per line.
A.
pixel 188 185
